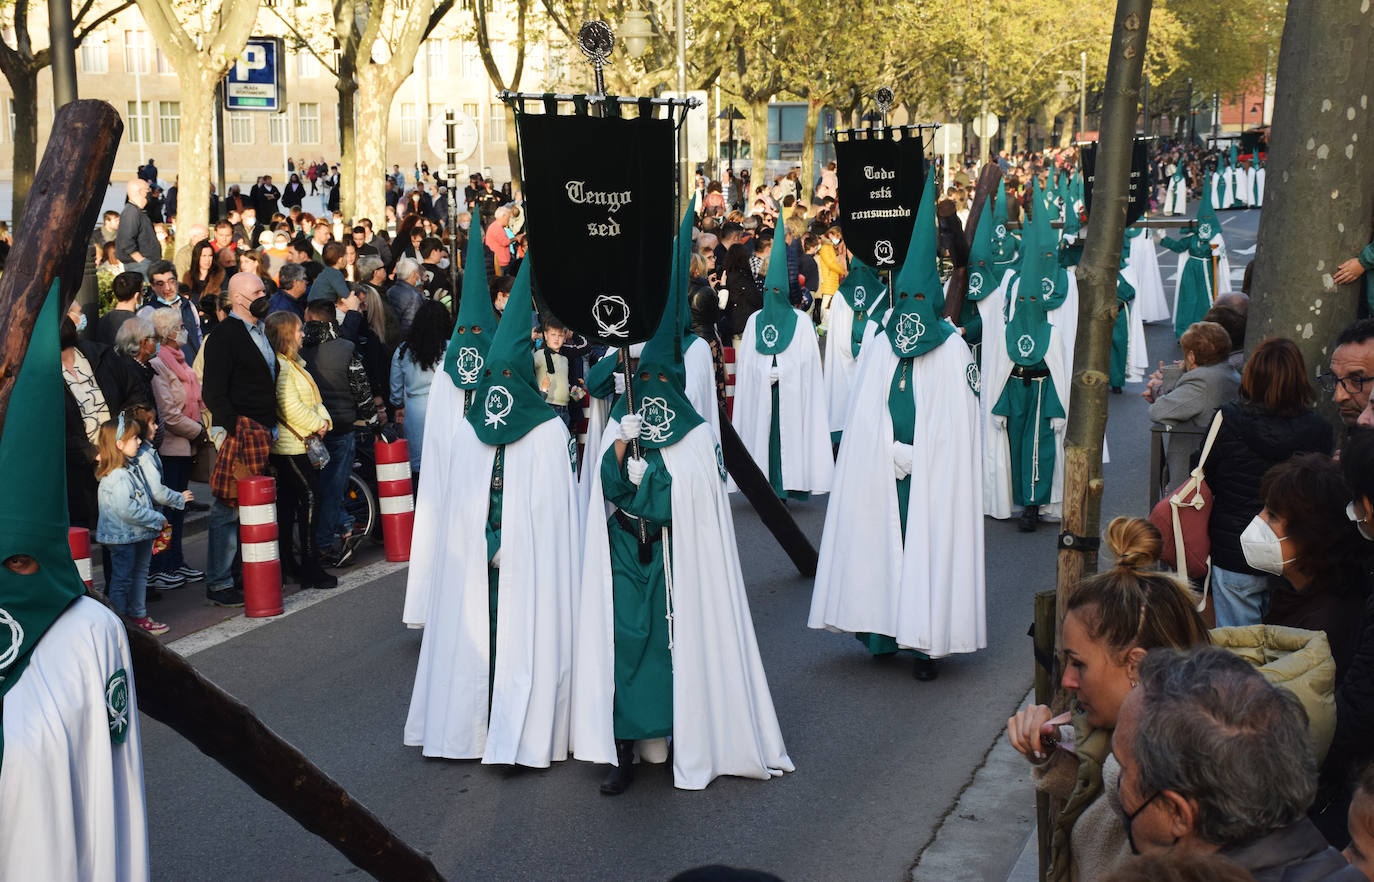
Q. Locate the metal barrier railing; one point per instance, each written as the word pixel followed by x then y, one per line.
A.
pixel 1159 479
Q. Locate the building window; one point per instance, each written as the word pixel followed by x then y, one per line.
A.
pixel 472 65
pixel 9 107
pixel 472 111
pixel 240 127
pixel 169 121
pixel 496 129
pixel 410 126
pixel 307 65
pixel 436 57
pixel 308 123
pixel 164 64
pixel 136 51
pixel 95 53
pixel 278 125
pixel 140 127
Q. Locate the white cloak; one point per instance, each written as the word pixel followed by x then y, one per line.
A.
pixel 996 441
pixel 992 352
pixel 1257 176
pixel 1176 198
pixel 71 800
pixel 1149 293
pixel 1137 358
pixel 540 558
pixel 723 717
pixel 841 365
pixel 436 504
pixel 803 421
pixel 927 593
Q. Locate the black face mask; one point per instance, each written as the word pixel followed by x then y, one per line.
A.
pixel 260 308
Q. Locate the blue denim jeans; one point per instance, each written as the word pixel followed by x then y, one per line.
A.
pixel 222 543
pixel 129 577
pixel 334 520
pixel 1239 598
pixel 176 474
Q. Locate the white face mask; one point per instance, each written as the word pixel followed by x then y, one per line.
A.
pixel 1262 547
pixel 834 240
pixel 443 263
pixel 1361 523
pixel 182 337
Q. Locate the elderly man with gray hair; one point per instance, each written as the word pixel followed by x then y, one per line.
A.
pixel 1214 759
pixel 292 283
pixel 404 294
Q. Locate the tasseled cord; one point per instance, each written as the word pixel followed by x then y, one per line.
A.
pixel 668 591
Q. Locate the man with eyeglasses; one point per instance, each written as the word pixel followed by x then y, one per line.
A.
pixel 1351 377
pixel 166 295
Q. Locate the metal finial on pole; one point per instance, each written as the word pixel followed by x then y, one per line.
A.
pixel 596 41
pixel 884 99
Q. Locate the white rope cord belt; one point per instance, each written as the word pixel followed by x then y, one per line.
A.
pixel 668 593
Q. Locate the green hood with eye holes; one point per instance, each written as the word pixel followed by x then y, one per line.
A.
pixel 507 403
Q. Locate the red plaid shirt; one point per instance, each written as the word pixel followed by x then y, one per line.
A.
pixel 243 455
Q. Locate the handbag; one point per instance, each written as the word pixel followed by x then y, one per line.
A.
pixel 203 461
pixel 1182 518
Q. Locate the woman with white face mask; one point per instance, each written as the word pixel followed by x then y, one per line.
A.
pixel 1310 552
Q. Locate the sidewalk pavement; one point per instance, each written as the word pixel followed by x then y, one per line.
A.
pixel 989 834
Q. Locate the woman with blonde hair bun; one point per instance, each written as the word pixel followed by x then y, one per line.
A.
pixel 1111 621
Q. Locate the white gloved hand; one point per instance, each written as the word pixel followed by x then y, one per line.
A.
pixel 773 375
pixel 723 297
pixel 635 467
pixel 630 426
pixel 901 459
pixel 619 383
pixel 496 558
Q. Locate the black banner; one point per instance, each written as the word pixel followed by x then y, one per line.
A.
pixel 599 198
pixel 1140 179
pixel 880 184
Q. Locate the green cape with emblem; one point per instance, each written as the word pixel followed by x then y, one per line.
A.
pixel 915 325
pixel 1028 332
pixel 1207 224
pixel 777 320
pixel 865 293
pixel 983 277
pixel 467 347
pixel 34 521
pixel 507 403
pixel 1003 240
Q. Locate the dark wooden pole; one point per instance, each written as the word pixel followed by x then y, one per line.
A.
pixel 990 177
pixel 754 485
pixel 51 246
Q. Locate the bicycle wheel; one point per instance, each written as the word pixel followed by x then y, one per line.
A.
pixel 361 504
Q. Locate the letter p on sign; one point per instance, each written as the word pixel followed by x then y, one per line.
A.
pixel 253 58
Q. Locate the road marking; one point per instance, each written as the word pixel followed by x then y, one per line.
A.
pixel 239 625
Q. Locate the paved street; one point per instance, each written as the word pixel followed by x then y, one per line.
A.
pixel 880 757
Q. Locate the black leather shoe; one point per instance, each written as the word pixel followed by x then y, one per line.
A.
pixel 924 669
pixel 1117 390
pixel 1030 519
pixel 617 781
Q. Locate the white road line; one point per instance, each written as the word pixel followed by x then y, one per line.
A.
pixel 239 625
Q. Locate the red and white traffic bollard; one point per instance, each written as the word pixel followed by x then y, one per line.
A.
pixel 395 497
pixel 79 538
pixel 727 357
pixel 258 542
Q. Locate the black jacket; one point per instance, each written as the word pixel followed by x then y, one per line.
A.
pixel 237 378
pixel 745 298
pixel 705 307
pixel 1249 442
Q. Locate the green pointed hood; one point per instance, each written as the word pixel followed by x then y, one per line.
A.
pixel 1070 252
pixel 507 403
pixel 1207 224
pixel 983 276
pixel 476 326
pixel 777 320
pixel 1231 156
pixel 682 272
pixel 660 386
pixel 1004 245
pixel 865 293
pixel 915 325
pixel 35 520
pixel 1028 332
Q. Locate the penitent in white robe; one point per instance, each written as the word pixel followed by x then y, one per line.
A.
pixel 71 800
pixel 1137 356
pixel 803 416
pixel 723 717
pixel 436 504
pixel 1149 293
pixel 841 365
pixel 928 592
pixel 540 560
pixel 996 484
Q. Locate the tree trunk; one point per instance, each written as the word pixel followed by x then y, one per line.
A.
pixel 758 148
pixel 512 150
pixel 194 150
pixel 1320 183
pixel 348 148
pixel 1097 305
pixel 808 175
pixel 24 83
pixel 376 91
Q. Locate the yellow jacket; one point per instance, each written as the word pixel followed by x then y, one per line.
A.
pixel 300 410
pixel 1299 661
pixel 832 270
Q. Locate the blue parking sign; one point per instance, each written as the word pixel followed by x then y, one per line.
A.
pixel 255 82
